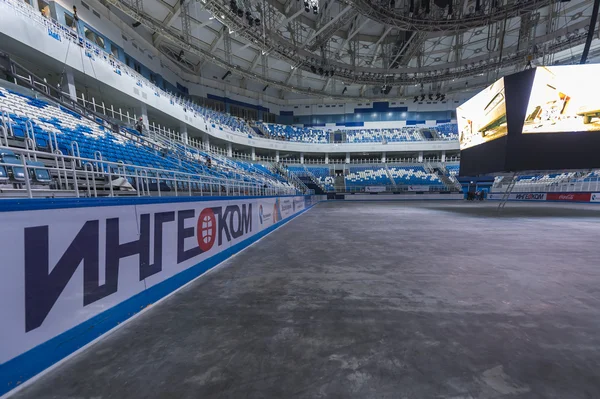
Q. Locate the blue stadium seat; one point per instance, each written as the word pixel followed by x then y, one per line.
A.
pixel 38 173
pixel 16 172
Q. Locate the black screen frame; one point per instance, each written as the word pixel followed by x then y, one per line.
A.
pixel 521 152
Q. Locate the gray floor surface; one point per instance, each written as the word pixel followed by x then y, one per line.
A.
pixel 373 300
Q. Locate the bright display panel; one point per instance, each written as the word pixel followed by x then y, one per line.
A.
pixel 564 99
pixel 483 118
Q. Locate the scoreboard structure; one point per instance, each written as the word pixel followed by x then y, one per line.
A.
pixel 547 118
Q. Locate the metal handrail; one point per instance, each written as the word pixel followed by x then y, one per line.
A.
pixel 6 125
pixel 76 154
pixel 232 186
pixel 87 179
pixel 30 142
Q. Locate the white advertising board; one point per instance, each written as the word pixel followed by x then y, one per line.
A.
pixel 63 267
pixel 519 196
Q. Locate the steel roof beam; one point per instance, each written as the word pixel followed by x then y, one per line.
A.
pixel 408 78
pixel 388 17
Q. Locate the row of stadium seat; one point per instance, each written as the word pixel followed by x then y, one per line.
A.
pixel 380 135
pixel 373 175
pixel 377 176
pixel 448 131
pixel 299 134
pixel 45 127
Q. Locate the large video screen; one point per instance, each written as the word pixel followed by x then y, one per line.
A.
pixel 564 99
pixel 483 118
pixel 550 120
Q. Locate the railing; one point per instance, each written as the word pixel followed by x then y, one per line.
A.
pixel 589 184
pixel 148 181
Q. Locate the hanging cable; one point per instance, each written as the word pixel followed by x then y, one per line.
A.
pixel 591 30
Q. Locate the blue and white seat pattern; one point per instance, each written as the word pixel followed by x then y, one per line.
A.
pixel 129 147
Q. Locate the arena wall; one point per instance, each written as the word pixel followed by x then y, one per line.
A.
pixel 552 197
pixel 72 270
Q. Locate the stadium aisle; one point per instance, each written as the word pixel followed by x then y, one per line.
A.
pixel 384 300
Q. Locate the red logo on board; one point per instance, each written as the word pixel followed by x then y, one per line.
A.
pixel 207 229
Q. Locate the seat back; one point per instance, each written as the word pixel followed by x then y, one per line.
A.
pixel 39 173
pixel 18 172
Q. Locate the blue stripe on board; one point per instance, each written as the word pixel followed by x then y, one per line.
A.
pixel 25 366
pixel 15 205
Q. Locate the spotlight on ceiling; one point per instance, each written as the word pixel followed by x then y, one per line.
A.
pixel 181 56
pixel 416 99
pixel 430 97
pixel 136 24
pixel 313 69
pixel 345 90
pixel 422 97
pixel 321 71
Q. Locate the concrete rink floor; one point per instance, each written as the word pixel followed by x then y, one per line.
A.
pixel 373 300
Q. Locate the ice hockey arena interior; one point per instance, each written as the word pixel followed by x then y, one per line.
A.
pixel 299 199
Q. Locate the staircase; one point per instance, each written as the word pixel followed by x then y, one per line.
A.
pixel 291 177
pixel 318 187
pixel 258 130
pixel 389 175
pixel 439 169
pixel 339 184
pixel 311 184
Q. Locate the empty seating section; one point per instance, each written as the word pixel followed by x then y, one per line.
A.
pixel 452 169
pixel 217 118
pixel 545 179
pixel 380 135
pixel 360 176
pixel 323 175
pixel 413 175
pixel 447 131
pixel 28 117
pixel 588 180
pixel 299 134
pixel 298 170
